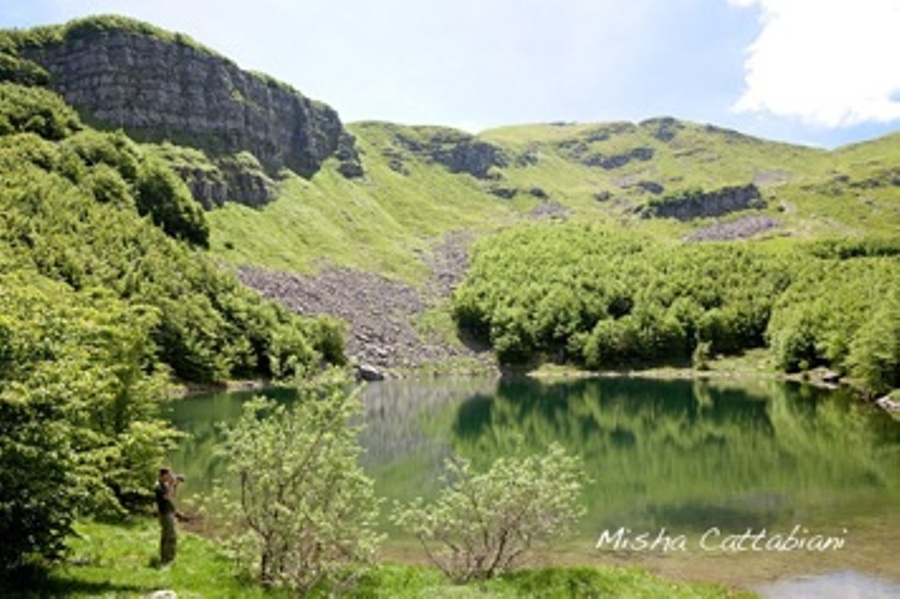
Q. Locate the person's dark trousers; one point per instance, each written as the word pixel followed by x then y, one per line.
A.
pixel 168 540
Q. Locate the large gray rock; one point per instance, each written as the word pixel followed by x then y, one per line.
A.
pixel 367 372
pixel 159 89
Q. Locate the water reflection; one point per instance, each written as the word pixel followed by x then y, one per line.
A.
pixel 684 455
pixel 690 455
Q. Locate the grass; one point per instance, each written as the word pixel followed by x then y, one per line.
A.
pixel 385 221
pixel 118 561
pixel 413 582
pixel 382 223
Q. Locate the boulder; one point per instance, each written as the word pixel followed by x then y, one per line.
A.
pixel 367 372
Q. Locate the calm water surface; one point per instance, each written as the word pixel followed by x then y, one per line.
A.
pixel 670 460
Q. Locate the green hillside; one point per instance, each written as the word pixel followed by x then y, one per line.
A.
pixel 381 223
pixel 387 196
pixel 408 199
pixel 809 269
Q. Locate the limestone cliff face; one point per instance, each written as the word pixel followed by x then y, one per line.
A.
pixel 158 90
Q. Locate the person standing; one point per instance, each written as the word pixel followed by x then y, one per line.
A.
pixel 166 486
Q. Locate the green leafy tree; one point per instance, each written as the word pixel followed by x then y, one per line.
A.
pixel 35 110
pixel 69 212
pixel 168 202
pixel 875 351
pixel 79 405
pixel 484 524
pixel 306 511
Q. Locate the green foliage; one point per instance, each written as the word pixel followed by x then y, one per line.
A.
pixel 602 299
pixel 483 524
pixel 92 300
pixel 874 352
pixel 35 110
pixel 836 314
pixel 13 41
pixel 844 249
pixel 69 213
pixel 107 186
pixel 79 431
pixel 306 512
pixel 166 198
pixel 21 70
pixel 115 150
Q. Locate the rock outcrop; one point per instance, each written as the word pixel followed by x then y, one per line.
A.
pixel 164 87
pixel 665 128
pixel 692 204
pixel 458 152
pixel 614 161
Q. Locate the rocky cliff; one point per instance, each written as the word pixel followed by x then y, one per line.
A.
pixel 697 203
pixel 455 150
pixel 159 86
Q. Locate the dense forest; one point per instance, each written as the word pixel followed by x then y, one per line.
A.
pixel 105 297
pixel 603 299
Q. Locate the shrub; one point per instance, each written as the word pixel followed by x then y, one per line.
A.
pixel 306 512
pixel 35 110
pixel 875 350
pixel 168 202
pixel 482 525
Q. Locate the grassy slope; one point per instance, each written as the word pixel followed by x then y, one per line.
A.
pixel 379 223
pixel 384 221
pixel 116 561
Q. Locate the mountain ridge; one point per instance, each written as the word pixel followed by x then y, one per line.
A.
pixel 121 73
pixel 378 194
pixel 386 204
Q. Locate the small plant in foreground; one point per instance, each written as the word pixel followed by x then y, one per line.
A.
pixel 484 524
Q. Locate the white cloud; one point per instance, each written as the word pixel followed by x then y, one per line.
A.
pixel 827 62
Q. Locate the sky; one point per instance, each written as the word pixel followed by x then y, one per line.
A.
pixel 814 72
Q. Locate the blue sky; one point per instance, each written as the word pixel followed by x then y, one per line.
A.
pixel 820 72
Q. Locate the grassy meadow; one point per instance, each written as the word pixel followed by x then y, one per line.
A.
pixel 119 561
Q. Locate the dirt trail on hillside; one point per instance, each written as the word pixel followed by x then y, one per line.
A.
pixel 380 312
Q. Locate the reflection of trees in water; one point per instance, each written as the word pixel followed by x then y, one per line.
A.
pixel 661 453
pixel 406 437
pixel 695 454
pixel 201 417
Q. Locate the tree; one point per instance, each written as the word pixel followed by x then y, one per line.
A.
pixel 306 510
pixel 482 525
pixel 875 350
pixel 168 202
pixel 79 426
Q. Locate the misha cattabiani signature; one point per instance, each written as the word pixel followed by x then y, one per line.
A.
pixel 799 538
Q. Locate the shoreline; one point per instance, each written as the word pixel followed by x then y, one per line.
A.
pixel 736 369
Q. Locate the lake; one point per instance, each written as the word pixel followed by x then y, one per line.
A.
pixel 741 482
